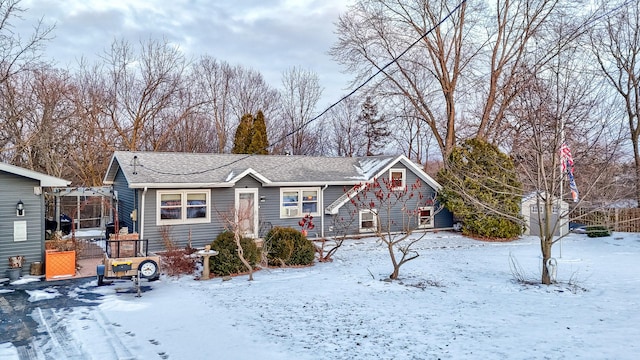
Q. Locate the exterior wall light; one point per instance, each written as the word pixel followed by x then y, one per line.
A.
pixel 20 208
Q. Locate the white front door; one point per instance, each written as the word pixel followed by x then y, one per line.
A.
pixel 247 211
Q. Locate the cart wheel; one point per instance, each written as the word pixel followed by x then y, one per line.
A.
pixel 100 280
pixel 148 269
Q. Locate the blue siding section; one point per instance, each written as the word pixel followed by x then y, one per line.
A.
pixel 14 188
pixel 347 219
pixel 126 201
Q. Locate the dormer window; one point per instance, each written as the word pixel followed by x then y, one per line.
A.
pixel 397 178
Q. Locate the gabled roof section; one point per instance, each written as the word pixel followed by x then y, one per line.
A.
pixel 189 170
pixel 377 172
pixel 414 168
pixel 45 180
pixel 235 176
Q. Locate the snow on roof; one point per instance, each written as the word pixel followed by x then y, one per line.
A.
pixel 367 168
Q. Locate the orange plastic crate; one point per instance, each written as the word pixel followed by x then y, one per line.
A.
pixel 60 264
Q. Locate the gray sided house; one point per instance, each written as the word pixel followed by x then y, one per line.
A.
pixel 186 197
pixel 22 231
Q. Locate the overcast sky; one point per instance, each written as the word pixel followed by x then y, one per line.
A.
pixel 267 35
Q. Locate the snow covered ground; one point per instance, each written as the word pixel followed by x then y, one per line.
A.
pixel 458 300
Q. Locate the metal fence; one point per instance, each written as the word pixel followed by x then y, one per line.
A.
pixel 90 248
pixel 623 220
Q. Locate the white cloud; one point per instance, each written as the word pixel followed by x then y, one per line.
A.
pixel 267 36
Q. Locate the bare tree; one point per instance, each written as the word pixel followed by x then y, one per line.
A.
pixel 410 132
pixel 346 136
pixel 374 32
pixel 383 200
pixel 458 64
pixel 18 54
pixel 141 88
pixel 511 32
pixel 300 94
pixel 37 110
pixel 214 83
pixel 559 106
pixel 616 46
pixel 92 127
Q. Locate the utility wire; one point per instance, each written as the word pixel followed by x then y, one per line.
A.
pixel 380 70
pixel 369 79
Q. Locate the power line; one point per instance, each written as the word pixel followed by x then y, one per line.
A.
pixel 380 70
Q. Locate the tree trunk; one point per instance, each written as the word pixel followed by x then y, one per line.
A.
pixel 241 256
pixel 396 266
pixel 546 243
pixel 636 156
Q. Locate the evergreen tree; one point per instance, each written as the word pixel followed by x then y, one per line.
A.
pixel 259 142
pixel 242 140
pixel 481 188
pixel 376 130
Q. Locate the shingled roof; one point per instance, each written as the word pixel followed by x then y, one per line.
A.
pixel 162 169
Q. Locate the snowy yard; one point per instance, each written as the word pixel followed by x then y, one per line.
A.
pixel 458 300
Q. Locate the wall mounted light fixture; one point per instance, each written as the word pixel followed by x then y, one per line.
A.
pixel 20 208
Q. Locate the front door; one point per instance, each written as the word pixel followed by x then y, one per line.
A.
pixel 247 212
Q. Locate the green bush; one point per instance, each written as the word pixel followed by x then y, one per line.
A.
pixel 227 261
pixel 479 176
pixel 492 227
pixel 598 231
pixel 287 246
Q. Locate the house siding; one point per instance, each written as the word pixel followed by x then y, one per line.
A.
pixel 222 202
pixel 348 217
pixel 14 188
pixel 125 203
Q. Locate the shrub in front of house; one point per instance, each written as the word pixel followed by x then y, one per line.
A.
pixel 598 231
pixel 227 261
pixel 287 246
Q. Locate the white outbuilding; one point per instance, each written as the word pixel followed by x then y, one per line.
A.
pixel 533 212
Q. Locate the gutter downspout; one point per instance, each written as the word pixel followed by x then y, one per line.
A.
pixel 141 205
pixel 322 211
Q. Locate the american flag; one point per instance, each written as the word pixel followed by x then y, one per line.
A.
pixel 566 161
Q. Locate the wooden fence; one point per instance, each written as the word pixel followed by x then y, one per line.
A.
pixel 623 220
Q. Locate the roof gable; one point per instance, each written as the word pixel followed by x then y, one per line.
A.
pixel 338 203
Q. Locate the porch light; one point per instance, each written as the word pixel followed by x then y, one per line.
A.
pixel 20 208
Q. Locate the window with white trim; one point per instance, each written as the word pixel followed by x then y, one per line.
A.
pixel 367 220
pixel 299 202
pixel 397 178
pixel 425 217
pixel 183 207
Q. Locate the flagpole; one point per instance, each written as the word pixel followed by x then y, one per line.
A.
pixel 561 182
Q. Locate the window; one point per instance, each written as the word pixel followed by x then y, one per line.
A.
pixel 298 202
pixel 397 178
pixel 425 217
pixel 368 220
pixel 183 207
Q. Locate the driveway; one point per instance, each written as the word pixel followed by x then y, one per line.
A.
pixel 31 314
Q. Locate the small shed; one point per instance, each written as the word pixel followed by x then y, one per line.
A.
pixel 533 212
pixel 22 214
